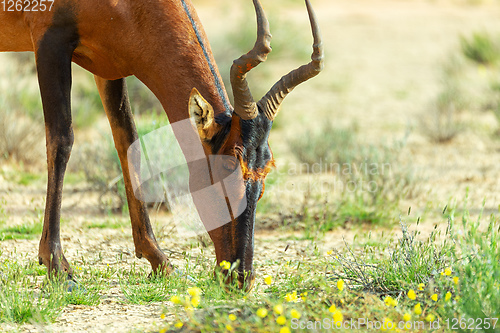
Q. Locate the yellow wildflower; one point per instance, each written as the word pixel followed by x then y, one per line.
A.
pixel 162 316
pixel 225 264
pixel 194 291
pixel 195 301
pixel 262 312
pixel 281 320
pixel 407 317
pixel 295 314
pixel 291 297
pixel 421 286
pixel 434 297
pixel 430 317
pixel 163 330
pixel 337 316
pixel 232 317
pixel 418 309
pixel 229 328
pixel 389 301
pixel 447 271
pixel 340 284
pixel 278 309
pixel 285 329
pixel 332 308
pixel 455 279
pixel 329 252
pixel 388 324
pixel 268 280
pixel 447 297
pixel 411 294
pixel 175 299
pixel 178 324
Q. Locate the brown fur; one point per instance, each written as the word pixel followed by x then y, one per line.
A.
pixel 153 40
pixel 157 42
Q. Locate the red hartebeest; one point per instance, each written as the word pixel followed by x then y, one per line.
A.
pixel 163 44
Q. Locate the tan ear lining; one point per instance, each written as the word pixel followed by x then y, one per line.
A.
pixel 203 115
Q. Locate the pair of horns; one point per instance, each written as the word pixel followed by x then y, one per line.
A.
pixel 245 106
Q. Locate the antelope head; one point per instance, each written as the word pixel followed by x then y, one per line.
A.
pixel 242 138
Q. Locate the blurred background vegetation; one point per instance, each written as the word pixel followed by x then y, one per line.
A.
pixel 468 83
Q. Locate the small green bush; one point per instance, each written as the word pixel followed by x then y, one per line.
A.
pixel 21 138
pixel 99 162
pixel 481 48
pixel 327 144
pixel 143 101
pixel 441 122
pixel 371 179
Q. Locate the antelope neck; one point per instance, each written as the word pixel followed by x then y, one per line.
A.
pixel 217 81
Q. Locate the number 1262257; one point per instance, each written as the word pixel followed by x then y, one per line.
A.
pixel 26 5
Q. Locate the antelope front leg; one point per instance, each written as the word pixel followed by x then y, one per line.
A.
pixel 53 60
pixel 116 103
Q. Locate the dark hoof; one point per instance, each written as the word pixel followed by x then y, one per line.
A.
pixel 162 270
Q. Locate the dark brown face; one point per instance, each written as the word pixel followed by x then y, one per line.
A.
pixel 241 140
pixel 242 144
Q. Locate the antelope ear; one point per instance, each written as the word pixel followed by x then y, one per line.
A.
pixel 203 115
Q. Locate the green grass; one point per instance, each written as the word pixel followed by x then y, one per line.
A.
pixel 450 275
pixel 138 288
pixel 20 299
pixel 107 224
pixel 19 305
pixel 478 266
pixel 409 262
pixel 23 301
pixel 23 231
pixel 383 286
pixel 27 178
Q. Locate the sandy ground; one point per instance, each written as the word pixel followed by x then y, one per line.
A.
pixel 382 71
